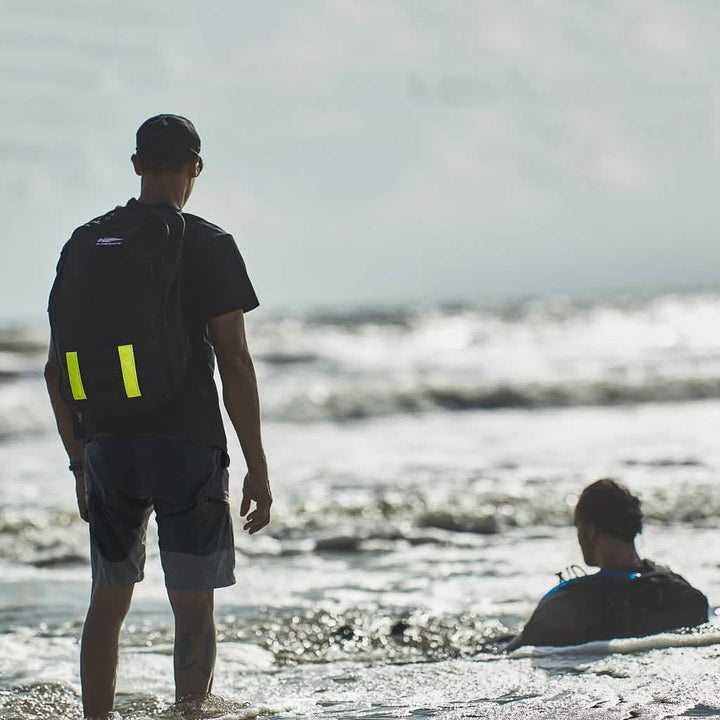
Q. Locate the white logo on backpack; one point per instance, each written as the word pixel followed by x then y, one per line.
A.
pixel 109 242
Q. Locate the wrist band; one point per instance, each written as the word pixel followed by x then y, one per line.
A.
pixel 75 466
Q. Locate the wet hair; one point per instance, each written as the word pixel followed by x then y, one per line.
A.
pixel 612 508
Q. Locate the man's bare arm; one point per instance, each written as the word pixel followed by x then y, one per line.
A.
pixel 64 419
pixel 562 619
pixel 240 396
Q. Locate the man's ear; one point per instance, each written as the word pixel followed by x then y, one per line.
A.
pixel 136 164
pixel 191 168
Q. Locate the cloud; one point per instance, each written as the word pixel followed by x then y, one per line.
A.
pixel 340 131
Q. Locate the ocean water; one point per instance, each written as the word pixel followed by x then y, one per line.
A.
pixel 425 462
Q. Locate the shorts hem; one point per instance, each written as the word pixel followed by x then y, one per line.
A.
pixel 216 585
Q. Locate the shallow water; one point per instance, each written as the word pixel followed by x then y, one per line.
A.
pixel 408 542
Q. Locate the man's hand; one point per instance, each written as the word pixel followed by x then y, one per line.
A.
pixel 256 488
pixel 80 494
pixel 240 394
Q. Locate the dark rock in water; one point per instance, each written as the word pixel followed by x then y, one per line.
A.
pixel 398 629
pixel 482 525
pixel 416 540
pixel 278 358
pixel 339 543
pixel 345 632
pixel 51 561
pixel 490 399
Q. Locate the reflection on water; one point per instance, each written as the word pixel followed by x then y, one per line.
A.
pixel 414 529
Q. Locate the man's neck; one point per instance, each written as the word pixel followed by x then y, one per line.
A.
pixel 615 554
pixel 162 189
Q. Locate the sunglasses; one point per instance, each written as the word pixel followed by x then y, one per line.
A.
pixel 200 164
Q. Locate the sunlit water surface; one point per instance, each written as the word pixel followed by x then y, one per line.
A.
pixel 424 464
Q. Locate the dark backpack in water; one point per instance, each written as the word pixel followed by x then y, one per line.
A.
pixel 116 311
pixel 659 600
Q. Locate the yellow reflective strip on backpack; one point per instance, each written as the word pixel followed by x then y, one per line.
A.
pixel 129 373
pixel 76 385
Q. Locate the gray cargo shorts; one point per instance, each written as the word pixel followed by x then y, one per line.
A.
pixel 186 484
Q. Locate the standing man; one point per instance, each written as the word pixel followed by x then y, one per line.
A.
pixel 165 452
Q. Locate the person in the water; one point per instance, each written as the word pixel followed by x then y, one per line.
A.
pixel 628 597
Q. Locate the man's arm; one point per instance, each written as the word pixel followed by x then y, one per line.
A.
pixel 564 618
pixel 64 419
pixel 240 395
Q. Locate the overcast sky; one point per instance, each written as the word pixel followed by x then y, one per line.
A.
pixel 379 151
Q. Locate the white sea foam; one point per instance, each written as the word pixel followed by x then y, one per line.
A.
pixel 625 646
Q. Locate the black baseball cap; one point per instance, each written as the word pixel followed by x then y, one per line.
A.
pixel 167 140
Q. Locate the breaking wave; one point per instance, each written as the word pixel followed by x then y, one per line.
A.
pixel 534 355
pixel 540 354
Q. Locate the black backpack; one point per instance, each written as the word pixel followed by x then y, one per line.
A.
pixel 116 312
pixel 658 601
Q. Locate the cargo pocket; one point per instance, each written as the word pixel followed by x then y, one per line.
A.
pixel 217 490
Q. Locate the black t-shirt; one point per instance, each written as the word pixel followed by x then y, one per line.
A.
pixel 639 601
pixel 214 282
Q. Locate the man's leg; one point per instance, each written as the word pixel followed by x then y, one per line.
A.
pixel 99 650
pixel 195 645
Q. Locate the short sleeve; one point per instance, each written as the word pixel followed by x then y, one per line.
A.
pixel 226 285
